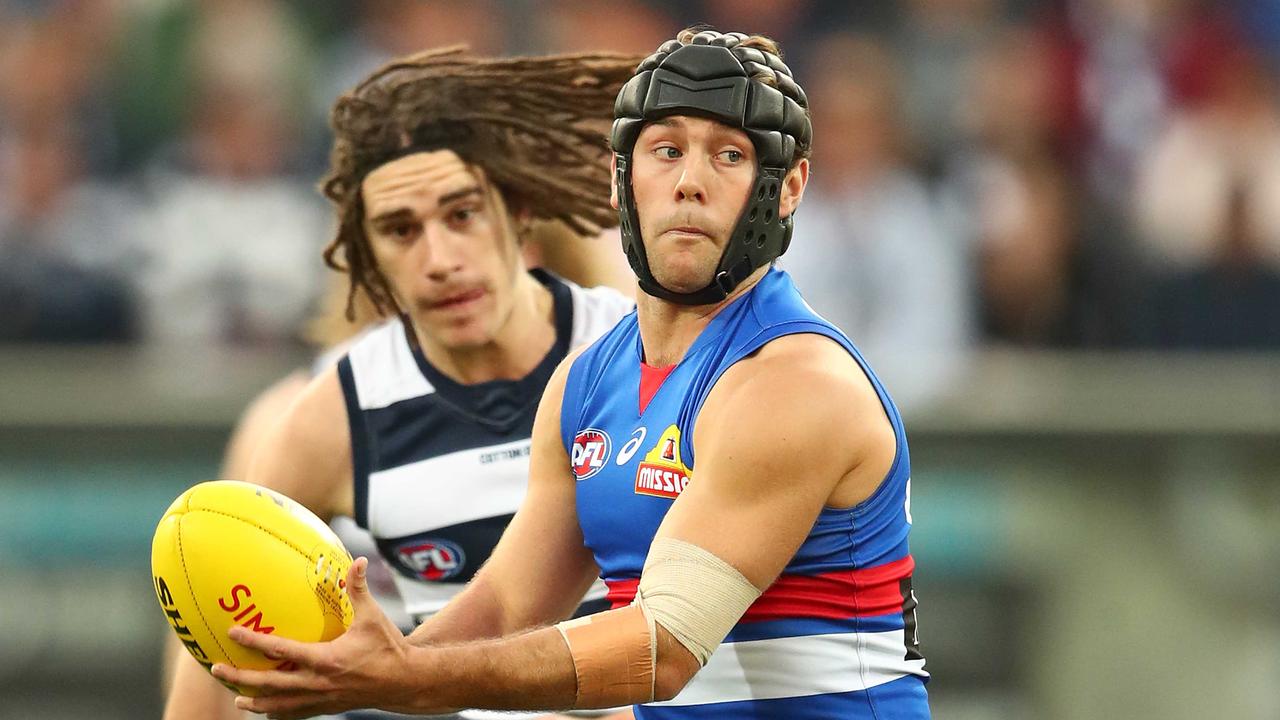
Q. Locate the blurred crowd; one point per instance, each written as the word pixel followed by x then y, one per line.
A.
pixel 1057 173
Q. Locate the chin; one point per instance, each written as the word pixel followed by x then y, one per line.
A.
pixel 460 336
pixel 684 277
pixel 465 340
pixel 684 267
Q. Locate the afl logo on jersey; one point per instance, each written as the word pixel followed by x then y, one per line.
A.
pixel 591 449
pixel 432 559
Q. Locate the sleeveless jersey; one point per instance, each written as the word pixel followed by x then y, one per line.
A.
pixel 441 467
pixel 834 636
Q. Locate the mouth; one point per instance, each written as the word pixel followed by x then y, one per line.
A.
pixel 688 231
pixel 457 300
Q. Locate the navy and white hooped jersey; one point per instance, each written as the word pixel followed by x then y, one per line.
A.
pixel 835 635
pixel 441 467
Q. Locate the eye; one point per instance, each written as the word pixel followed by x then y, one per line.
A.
pixel 403 232
pixel 732 156
pixel 667 152
pixel 461 216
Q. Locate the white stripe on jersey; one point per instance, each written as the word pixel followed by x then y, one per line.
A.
pixel 796 667
pixel 448 489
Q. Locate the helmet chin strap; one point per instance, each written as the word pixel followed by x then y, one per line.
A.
pixel 713 78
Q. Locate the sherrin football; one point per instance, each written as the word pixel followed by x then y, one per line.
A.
pixel 230 552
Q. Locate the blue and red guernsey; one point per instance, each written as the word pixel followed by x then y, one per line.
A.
pixel 835 635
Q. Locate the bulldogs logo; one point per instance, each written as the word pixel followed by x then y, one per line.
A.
pixel 591 449
pixel 432 559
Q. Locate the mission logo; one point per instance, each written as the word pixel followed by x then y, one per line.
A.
pixel 662 474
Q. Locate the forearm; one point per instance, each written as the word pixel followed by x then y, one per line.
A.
pixel 530 671
pixel 475 614
pixel 489 608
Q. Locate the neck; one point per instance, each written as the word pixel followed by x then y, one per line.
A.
pixel 526 335
pixel 668 329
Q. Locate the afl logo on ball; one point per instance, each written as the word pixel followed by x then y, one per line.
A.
pixel 433 559
pixel 590 452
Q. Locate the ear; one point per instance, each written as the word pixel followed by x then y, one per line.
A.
pixel 793 188
pixel 522 220
pixel 613 180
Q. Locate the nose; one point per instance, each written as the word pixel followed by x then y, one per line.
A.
pixel 691 185
pixel 441 255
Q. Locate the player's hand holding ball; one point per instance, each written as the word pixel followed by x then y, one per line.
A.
pixel 362 668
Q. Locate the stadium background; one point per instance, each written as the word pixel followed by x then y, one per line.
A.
pixel 1054 227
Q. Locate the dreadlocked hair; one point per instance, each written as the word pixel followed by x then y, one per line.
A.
pixel 535 125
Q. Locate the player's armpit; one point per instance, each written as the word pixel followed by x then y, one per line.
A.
pixel 540 568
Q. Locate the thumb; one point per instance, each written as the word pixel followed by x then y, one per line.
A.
pixel 358 586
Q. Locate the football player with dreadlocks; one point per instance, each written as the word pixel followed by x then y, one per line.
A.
pixel 444 165
pixel 724 458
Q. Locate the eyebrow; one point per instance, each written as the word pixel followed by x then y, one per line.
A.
pixel 458 195
pixel 390 216
pixel 402 213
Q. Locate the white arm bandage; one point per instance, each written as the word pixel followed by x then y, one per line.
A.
pixel 695 595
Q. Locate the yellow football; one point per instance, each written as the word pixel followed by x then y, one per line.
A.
pixel 230 552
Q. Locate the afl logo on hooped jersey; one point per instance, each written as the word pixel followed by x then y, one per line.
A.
pixel 591 449
pixel 433 559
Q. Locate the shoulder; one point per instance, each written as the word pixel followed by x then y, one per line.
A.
pixel 809 395
pixel 548 425
pixel 316 420
pixel 806 367
pixel 306 454
pixel 596 310
pixel 560 378
pixel 257 420
pixel 322 394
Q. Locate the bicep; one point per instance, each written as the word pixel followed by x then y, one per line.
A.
pixel 770 454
